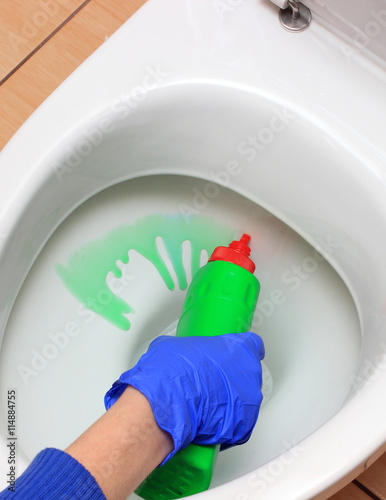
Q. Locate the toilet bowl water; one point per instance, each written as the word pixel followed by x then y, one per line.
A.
pixel 235 110
pixel 59 351
pixel 306 314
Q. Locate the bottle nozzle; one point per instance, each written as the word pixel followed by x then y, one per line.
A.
pixel 242 245
pixel 237 252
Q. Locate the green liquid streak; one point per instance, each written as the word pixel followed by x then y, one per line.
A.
pixel 86 270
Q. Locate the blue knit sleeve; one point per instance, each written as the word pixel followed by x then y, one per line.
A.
pixel 54 475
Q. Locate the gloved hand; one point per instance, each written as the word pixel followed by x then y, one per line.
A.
pixel 205 390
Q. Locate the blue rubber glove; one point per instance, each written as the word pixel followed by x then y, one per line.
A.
pixel 205 390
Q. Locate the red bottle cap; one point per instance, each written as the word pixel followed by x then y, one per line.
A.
pixel 237 252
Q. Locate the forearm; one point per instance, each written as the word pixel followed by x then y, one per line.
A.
pixel 196 395
pixel 123 446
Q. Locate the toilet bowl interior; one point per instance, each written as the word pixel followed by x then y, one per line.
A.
pixel 278 172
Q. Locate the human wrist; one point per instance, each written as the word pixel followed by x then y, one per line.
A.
pixel 174 401
pixel 188 380
pixel 123 446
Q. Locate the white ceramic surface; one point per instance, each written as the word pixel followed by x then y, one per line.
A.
pixel 360 24
pixel 296 124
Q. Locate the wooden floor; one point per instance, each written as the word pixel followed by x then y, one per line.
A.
pixel 41 43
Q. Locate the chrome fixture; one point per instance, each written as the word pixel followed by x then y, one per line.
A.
pixel 296 17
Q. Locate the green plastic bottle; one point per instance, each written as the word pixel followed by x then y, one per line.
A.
pixel 221 299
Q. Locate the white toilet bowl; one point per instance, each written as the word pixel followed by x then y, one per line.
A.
pixel 220 114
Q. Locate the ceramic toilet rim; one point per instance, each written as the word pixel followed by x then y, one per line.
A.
pixel 332 466
pixel 360 398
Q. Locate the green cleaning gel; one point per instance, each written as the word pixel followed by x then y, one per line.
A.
pixel 221 299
